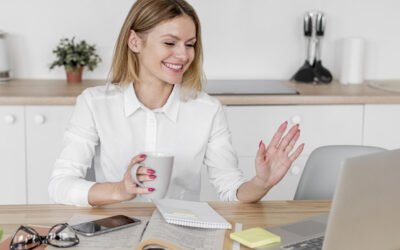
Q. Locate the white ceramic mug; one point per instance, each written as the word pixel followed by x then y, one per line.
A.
pixel 162 164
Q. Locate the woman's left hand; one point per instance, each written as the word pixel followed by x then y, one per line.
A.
pixel 273 161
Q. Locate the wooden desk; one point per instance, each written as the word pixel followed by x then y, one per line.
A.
pixel 264 214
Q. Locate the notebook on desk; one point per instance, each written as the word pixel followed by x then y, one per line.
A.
pixel 191 214
pixel 365 211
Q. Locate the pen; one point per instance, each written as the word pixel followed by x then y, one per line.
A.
pixel 144 229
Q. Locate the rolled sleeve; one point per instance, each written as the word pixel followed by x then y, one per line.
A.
pixel 67 183
pixel 221 160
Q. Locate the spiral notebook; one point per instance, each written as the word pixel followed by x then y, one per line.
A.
pixel 191 214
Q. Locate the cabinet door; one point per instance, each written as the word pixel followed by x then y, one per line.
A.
pixel 381 126
pixel 45 126
pixel 12 153
pixel 320 125
pixel 284 190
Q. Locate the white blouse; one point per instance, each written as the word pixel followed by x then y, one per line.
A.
pixel 110 121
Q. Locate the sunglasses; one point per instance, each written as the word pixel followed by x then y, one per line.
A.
pixel 60 235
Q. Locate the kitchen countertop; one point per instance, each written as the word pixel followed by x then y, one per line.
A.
pixel 58 92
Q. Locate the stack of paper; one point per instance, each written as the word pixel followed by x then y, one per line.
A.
pixel 191 214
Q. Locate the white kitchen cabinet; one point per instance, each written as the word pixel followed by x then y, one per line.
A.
pixel 31 140
pixel 285 189
pixel 319 124
pixel 12 155
pixel 382 126
pixel 45 126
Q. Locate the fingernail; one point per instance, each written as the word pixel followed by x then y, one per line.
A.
pixel 150 171
pixel 142 156
pixel 152 177
pixel 261 142
pixel 151 189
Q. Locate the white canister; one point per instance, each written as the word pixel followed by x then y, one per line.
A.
pixel 352 60
pixel 4 63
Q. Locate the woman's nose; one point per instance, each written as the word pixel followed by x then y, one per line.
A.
pixel 182 52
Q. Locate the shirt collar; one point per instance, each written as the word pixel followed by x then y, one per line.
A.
pixel 170 108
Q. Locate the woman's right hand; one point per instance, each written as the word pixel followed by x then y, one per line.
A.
pixel 128 189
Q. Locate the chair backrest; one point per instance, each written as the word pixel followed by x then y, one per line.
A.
pixel 321 171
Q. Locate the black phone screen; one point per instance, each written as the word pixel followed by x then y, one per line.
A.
pixel 93 227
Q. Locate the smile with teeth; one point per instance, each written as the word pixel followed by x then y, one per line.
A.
pixel 173 66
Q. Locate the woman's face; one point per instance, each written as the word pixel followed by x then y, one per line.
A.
pixel 166 51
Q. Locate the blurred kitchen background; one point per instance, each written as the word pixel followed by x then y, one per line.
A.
pixel 242 39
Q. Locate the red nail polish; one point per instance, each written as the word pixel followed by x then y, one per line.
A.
pixel 150 171
pixel 151 189
pixel 142 156
pixel 152 177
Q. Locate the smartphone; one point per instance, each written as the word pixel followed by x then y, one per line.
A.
pixel 105 225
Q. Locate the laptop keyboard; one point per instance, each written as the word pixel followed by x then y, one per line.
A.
pixel 311 244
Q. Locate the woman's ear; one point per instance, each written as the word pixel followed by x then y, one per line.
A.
pixel 134 42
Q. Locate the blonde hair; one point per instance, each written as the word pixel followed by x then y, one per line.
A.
pixel 143 16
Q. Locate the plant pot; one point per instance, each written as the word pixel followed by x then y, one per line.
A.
pixel 74 75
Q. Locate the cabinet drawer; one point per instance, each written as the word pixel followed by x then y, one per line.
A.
pixel 320 125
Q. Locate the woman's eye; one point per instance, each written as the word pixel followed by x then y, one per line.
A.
pixel 190 45
pixel 169 44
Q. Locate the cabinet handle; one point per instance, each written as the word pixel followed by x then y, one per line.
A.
pixel 296 119
pixel 40 119
pixel 10 119
pixel 295 170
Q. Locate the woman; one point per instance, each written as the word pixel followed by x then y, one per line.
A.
pixel 155 104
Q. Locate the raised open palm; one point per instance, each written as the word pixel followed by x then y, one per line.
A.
pixel 273 161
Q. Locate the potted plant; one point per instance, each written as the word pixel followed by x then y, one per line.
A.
pixel 74 57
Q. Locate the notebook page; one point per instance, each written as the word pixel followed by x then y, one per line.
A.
pixel 189 213
pixel 184 237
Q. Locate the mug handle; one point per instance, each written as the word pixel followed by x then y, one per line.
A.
pixel 134 174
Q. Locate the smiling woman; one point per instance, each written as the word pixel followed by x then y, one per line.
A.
pixel 154 105
pixel 166 52
pixel 176 25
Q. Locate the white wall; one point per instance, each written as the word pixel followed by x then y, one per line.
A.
pixel 242 38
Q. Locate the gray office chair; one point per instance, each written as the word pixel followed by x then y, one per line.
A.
pixel 321 171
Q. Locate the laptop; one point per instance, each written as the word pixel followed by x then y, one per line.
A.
pixel 365 211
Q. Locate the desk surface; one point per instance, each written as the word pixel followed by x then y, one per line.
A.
pixel 264 214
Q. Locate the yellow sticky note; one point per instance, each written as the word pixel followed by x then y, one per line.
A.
pixel 255 237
